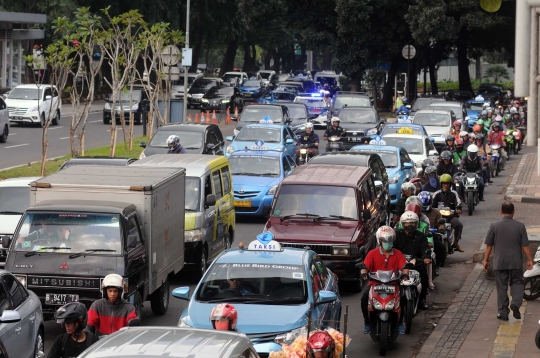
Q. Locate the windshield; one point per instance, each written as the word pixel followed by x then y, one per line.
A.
pixel 188 140
pixel 265 75
pixel 231 76
pixel 180 82
pixel 432 119
pixel 330 80
pixel 254 165
pixel 254 282
pixel 412 145
pixel 456 109
pixel 342 101
pixel 25 93
pixel 421 103
pixel 126 96
pixel 389 159
pixel 256 114
pixel 70 232
pixel 204 84
pixel 284 96
pixel 311 102
pixel 266 134
pixel 297 111
pixel 193 193
pixel 322 200
pixel 252 84
pixel 475 106
pixel 223 91
pixel 14 199
pixel 357 116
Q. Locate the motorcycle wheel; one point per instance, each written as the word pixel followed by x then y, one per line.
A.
pixel 498 169
pixel 383 338
pixel 470 202
pixel 409 314
pixel 537 339
pixel 533 288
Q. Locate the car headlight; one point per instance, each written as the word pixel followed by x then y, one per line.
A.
pixel 193 235
pixel 107 105
pixel 376 304
pixel 394 179
pixel 189 95
pixel 225 101
pixel 183 323
pixel 22 279
pixel 135 107
pixel 230 149
pixel 289 337
pixel 204 100
pixel 33 109
pixel 340 250
pixel 372 131
pixel 272 190
pixel 142 155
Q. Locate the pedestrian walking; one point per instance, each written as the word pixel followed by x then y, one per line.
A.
pixel 509 238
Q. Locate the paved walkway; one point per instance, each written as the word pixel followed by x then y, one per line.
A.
pixel 525 186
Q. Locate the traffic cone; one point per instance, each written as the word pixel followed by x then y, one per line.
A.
pixel 236 112
pixel 207 116
pixel 189 118
pixel 214 119
pixel 228 117
pixel 202 117
pixel 196 117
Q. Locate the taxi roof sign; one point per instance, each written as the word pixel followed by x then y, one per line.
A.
pixel 405 130
pixel 264 242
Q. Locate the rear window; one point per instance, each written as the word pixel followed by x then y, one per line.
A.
pixel 256 114
pixel 456 109
pixel 311 102
pixel 432 119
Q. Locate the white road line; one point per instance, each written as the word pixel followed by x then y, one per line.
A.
pixel 55 128
pixel 14 146
pixel 64 138
pixel 12 133
pixel 99 120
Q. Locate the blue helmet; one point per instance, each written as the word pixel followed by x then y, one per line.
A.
pixel 427 200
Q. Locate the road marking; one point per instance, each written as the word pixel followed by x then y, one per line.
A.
pixel 55 128
pixel 99 120
pixel 64 138
pixel 18 145
pixel 508 335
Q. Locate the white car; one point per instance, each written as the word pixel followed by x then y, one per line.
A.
pixel 438 124
pixel 4 121
pixel 419 147
pixel 266 75
pixel 178 86
pixel 34 104
pixel 235 77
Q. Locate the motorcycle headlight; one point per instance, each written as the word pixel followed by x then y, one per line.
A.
pixel 372 131
pixel 332 139
pixel 272 190
pixel 394 179
pixel 340 250
pixel 204 100
pixel 289 337
pixel 22 279
pixel 376 304
pixel 135 107
pixel 107 105
pixel 230 149
pixel 303 151
pixel 142 156
pixel 183 323
pixel 193 235
pixel 389 306
pixel 225 101
pixel 470 180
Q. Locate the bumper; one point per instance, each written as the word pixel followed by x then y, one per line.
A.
pixel 210 106
pixel 192 253
pixel 29 117
pixel 344 269
pixel 108 115
pixel 257 204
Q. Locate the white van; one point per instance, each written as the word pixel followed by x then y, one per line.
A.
pixel 235 77
pixel 34 104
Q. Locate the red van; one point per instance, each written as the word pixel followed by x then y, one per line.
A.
pixel 333 209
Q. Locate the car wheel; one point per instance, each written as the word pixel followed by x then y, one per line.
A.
pixel 39 347
pixel 159 301
pixel 56 119
pixel 5 132
pixel 42 120
pixel 106 120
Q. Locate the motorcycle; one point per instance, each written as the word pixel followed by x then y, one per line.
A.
pixel 513 136
pixel 403 117
pixel 532 279
pixel 303 154
pixel 510 142
pixel 335 145
pixel 410 294
pixel 448 236
pixel 470 184
pixel 437 261
pixel 537 338
pixel 495 159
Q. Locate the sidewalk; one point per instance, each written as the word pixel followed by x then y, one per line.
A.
pixel 525 186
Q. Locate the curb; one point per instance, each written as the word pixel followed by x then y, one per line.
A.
pixel 516 198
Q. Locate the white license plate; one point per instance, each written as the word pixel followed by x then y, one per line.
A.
pixel 495 154
pixel 386 289
pixel 60 298
pixel 334 145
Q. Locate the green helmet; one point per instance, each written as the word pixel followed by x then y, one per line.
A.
pixel 446 178
pixel 480 122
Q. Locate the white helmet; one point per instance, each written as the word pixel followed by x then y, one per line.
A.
pixel 408 217
pixel 513 110
pixel 336 119
pixel 408 186
pixel 498 118
pixel 472 151
pixel 112 280
pixel 309 125
pixel 463 134
pixel 472 135
pixel 386 234
pixel 486 106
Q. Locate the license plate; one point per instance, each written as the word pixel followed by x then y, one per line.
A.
pixel 60 299
pixel 353 139
pixel 242 203
pixel 334 145
pixel 495 154
pixel 247 95
pixel 386 289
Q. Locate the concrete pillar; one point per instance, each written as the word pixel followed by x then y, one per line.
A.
pixel 10 67
pixel 532 109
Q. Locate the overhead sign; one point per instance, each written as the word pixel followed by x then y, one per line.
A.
pixel 408 52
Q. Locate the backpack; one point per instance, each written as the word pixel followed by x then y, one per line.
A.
pixel 65 338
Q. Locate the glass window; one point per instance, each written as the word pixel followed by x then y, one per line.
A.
pixel 211 138
pixel 456 109
pixel 254 165
pixel 25 93
pixel 403 157
pixel 193 194
pixel 341 101
pixel 286 165
pixel 284 96
pixel 322 200
pixel 323 271
pixel 216 178
pixel 2 104
pixel 47 92
pixel 248 353
pixel 251 83
pixel 266 134
pixel 475 106
pixel 256 114
pixel 226 177
pixel 316 280
pixel 297 112
pixel 357 116
pixel 411 145
pixel 15 199
pixel 389 158
pixel 223 91
pixel 366 192
pixel 372 190
pixel 429 146
pixel 311 102
pixel 189 140
pixel 5 302
pixel 134 237
pixel 208 189
pixel 291 161
pixel 432 119
pixel 16 291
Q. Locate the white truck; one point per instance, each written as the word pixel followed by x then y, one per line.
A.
pixel 86 222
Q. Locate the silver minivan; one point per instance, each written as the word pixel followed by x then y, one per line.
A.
pixel 172 342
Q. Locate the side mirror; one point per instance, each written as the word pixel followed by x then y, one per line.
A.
pixel 265 211
pixel 134 322
pixel 210 200
pixel 366 215
pixel 326 297
pixel 142 144
pixel 181 293
pixel 10 316
pixel 431 139
pixel 230 138
pixel 47 98
pixel 408 165
pixel 289 141
pixel 6 240
pixel 433 152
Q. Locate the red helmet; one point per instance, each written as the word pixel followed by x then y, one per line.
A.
pixel 459 141
pixel 224 317
pixel 414 207
pixel 320 342
pixel 477 128
pixel 457 123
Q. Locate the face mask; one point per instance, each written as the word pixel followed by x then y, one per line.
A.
pixel 409 228
pixel 433 181
pixel 387 246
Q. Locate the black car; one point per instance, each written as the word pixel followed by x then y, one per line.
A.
pixel 195 138
pixel 459 96
pixel 134 102
pixel 347 99
pixel 114 161
pixel 492 92
pixel 218 96
pixel 373 161
pixel 298 113
pixel 277 113
pixel 307 84
pixel 424 102
pixel 199 88
pixel 360 123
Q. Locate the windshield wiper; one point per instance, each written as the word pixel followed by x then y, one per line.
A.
pixel 286 217
pixel 10 213
pixel 32 253
pixel 78 254
pixel 192 147
pixel 333 217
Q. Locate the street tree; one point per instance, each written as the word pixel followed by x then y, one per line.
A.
pixel 497 72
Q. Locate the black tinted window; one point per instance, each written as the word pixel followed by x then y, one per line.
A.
pixel 216 178
pixel 226 177
pixel 16 291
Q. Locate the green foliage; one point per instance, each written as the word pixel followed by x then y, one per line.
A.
pixel 496 72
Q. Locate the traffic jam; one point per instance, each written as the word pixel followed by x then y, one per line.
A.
pixel 371 207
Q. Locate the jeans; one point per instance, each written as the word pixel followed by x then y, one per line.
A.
pixel 457 226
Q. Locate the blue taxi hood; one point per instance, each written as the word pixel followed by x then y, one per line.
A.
pixel 249 88
pixel 244 181
pixel 252 318
pixel 473 114
pixel 239 145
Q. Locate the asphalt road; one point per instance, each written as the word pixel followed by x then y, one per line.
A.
pixel 450 281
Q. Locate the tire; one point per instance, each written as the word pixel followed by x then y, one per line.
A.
pixel 470 202
pixel 534 288
pixel 5 133
pixel 56 119
pixel 537 339
pixel 409 314
pixel 203 264
pixel 39 345
pixel 383 338
pixel 498 168
pixel 42 120
pixel 106 121
pixel 159 301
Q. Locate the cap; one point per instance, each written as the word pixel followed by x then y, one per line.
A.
pixel 400 92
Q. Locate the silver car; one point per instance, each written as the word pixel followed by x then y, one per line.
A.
pixel 21 321
pixel 172 342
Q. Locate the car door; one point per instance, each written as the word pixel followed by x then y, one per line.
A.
pixel 371 204
pixel 21 339
pixel 226 208
pixel 136 258
pixel 404 158
pixel 429 148
pixel 285 134
pixel 217 140
pixel 328 283
pixel 4 118
pixel 209 214
pixel 286 166
pixel 46 107
pixel 216 245
pixel 291 161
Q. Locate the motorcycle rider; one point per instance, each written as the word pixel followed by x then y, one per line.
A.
pixel 311 140
pixel 482 125
pixel 465 136
pixel 110 313
pixel 173 142
pixel 460 151
pixel 403 108
pixel 484 151
pixel 384 257
pixel 471 164
pixel 456 129
pixel 73 318
pixel 446 197
pixel 497 137
pixel 433 184
pixel 434 216
pixel 224 317
pixel 445 165
pixel 320 345
pixel 413 199
pixel 449 143
pixel 407 189
pixel 334 130
pixel 410 241
pixel 499 120
pixel 421 174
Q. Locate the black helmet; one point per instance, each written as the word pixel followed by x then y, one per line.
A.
pixel 450 137
pixel 446 154
pixel 427 163
pixel 74 312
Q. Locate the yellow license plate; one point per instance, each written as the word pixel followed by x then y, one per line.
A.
pixel 247 95
pixel 243 203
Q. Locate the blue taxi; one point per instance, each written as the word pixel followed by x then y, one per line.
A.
pixel 256 175
pixel 263 136
pixel 399 166
pixel 395 127
pixel 272 289
pixel 277 96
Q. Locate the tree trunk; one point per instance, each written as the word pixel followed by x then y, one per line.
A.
pixel 230 55
pixel 478 66
pixel 389 85
pixel 433 78
pixel 277 63
pixel 327 59
pixel 268 58
pixel 315 64
pixel 197 49
pixel 249 60
pixel 463 61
